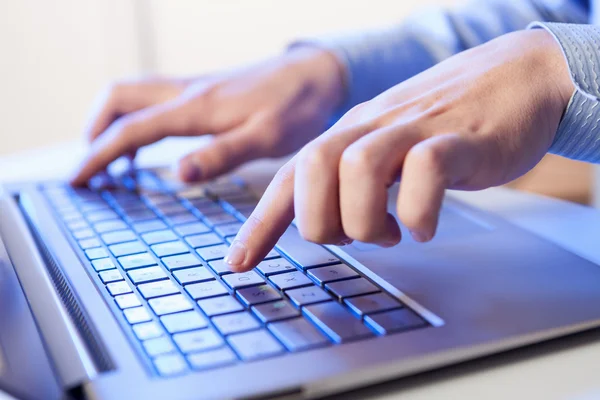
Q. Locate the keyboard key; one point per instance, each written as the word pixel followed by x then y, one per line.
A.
pixel 97 252
pixel 156 289
pixel 148 274
pixel 157 198
pixel 219 219
pixel 103 215
pixel 192 275
pixel 337 322
pixel 158 237
pixel 109 226
pixel 228 229
pixel 352 287
pixel 206 289
pixel 275 311
pixel 394 321
pixel 147 330
pixel 203 240
pixel 110 275
pixel 258 294
pixel 219 267
pixel 197 192
pixel 290 280
pixel 243 279
pixel 275 266
pixel 213 252
pixel 181 261
pixel 204 339
pixel 83 234
pixel 139 215
pixel 192 229
pixel 76 225
pixel 298 334
pixel 235 323
pixel 118 237
pixel 169 248
pixel 170 364
pixel 157 346
pixel 372 303
pixel 185 321
pixel 212 358
pixel 125 249
pixel 307 295
pixel 127 301
pixel 103 264
pixel 181 218
pixel 136 315
pixel 332 273
pixel 89 243
pixel 170 304
pixel 220 305
pixel 206 208
pixel 302 252
pixel 117 288
pixel 254 345
pixel 149 226
pixel 136 261
pixel 170 208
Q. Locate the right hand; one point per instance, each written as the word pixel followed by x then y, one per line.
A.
pixel 266 110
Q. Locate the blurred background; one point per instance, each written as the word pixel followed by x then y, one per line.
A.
pixel 56 56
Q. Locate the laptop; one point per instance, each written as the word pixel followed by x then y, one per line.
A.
pixel 119 291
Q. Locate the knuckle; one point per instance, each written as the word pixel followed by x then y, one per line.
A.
pixel 315 155
pixel 429 157
pixel 359 160
pixel 317 234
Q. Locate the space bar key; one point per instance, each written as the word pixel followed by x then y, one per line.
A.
pixel 302 252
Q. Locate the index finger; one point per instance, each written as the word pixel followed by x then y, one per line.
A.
pixel 266 224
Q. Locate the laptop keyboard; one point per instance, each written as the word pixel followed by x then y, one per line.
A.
pixel 157 251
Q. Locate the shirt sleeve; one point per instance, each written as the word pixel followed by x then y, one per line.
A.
pixel 375 61
pixel 578 134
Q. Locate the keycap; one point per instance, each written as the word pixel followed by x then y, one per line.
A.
pixel 136 315
pixel 125 249
pixel 148 274
pixel 371 303
pixel 258 294
pixel 136 261
pixel 332 273
pixel 170 364
pixel 103 215
pixel 139 215
pixel 158 237
pixel 220 305
pixel 351 287
pixel 238 203
pixel 228 229
pixel 110 275
pixel 191 229
pixel 83 234
pixel 169 304
pixel 255 344
pixel 275 266
pixel 219 267
pixel 157 198
pixel 213 252
pixel 394 321
pixel 159 288
pixel 197 192
pixel 94 206
pixel 203 240
pixel 275 311
pixel 127 301
pixel 109 226
pixel 148 226
pixel 147 330
pixel 103 264
pixel 170 208
pixel 178 219
pixel 219 219
pixel 302 252
pixel 76 225
pixel 96 252
pixel 184 321
pixel 337 322
pixel 204 208
pixel 206 289
pixel 181 261
pixel 169 248
pixel 89 243
pixel 243 279
pixel 192 275
pixel 298 334
pixel 212 358
pixel 234 323
pixel 197 340
pixel 307 295
pixel 225 187
pixel 290 280
pixel 118 237
pixel 157 346
pixel 120 287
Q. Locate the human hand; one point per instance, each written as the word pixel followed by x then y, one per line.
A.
pixel 266 110
pixel 479 119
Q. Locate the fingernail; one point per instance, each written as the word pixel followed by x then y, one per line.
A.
pixel 345 242
pixel 388 244
pixel 190 172
pixel 419 237
pixel 236 254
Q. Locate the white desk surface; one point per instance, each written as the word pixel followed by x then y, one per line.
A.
pixel 564 369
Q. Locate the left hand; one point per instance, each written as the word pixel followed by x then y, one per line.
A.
pixel 479 119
